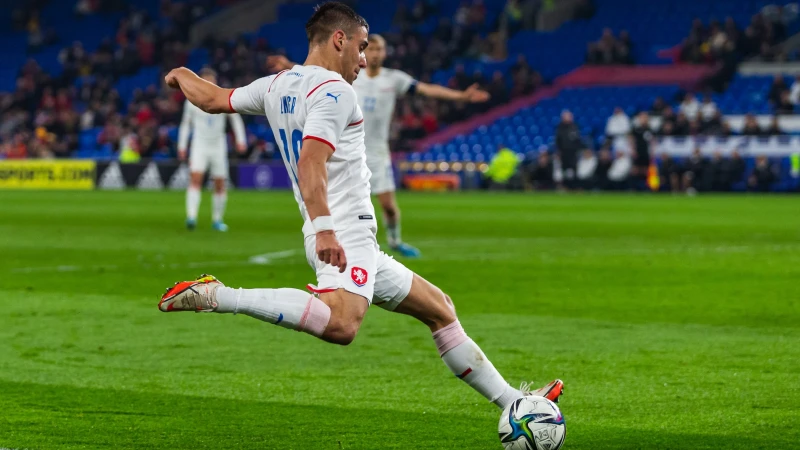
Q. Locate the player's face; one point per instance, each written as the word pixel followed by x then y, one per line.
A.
pixel 353 58
pixel 376 54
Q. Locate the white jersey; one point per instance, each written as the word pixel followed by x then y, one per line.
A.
pixel 207 130
pixel 377 97
pixel 310 102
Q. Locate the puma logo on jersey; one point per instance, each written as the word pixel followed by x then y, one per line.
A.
pixel 335 97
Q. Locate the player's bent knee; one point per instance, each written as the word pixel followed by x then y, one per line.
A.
pixel 342 330
pixel 446 313
pixel 449 302
pixel 347 313
pixel 440 311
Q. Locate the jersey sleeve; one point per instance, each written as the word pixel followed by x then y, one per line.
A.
pixel 250 99
pixel 403 82
pixel 330 110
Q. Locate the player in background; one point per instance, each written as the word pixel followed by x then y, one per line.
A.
pixel 314 112
pixel 377 94
pixel 208 153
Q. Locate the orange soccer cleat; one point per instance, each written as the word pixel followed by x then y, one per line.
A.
pixel 197 295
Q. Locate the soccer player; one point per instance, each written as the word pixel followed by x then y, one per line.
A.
pixel 209 153
pixel 313 110
pixel 377 93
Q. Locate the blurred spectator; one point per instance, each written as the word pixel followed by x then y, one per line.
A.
pixel 430 123
pixel 569 143
pixel 619 124
pixel 762 176
pixel 604 161
pixel 586 168
pixel 716 125
pixel 511 18
pixel 690 107
pixel 695 172
pixel 541 174
pixel 502 170
pixel 682 126
pixel 785 105
pixel 717 42
pixel 708 109
pixel 624 48
pixel 668 121
pixel 777 88
pixel 610 49
pixel 658 107
pixel 774 128
pixel 410 124
pixel 670 172
pixel 716 172
pixel 726 171
pixel 619 171
pixel 498 90
pixel 641 136
pixel 751 127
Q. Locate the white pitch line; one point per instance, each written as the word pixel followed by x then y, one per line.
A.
pixel 267 258
pixel 262 259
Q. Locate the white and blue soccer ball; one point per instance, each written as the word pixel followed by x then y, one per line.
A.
pixel 532 423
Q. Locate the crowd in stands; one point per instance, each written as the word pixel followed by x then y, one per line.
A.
pixel 26 17
pixel 718 41
pixel 625 159
pixel 607 170
pixel 610 49
pixel 695 117
pixel 455 38
pixel 44 116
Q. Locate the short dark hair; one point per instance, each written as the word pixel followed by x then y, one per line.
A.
pixel 329 17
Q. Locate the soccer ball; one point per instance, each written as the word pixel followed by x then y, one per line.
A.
pixel 532 423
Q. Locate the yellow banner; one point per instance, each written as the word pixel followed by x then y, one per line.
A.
pixel 46 174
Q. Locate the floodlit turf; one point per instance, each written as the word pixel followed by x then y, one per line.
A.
pixel 675 323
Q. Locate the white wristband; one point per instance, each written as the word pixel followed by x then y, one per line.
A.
pixel 323 223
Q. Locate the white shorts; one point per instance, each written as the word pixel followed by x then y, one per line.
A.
pixel 370 272
pixel 209 158
pixel 382 179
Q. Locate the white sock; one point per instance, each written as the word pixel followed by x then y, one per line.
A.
pixel 192 203
pixel 289 308
pixel 218 203
pixel 468 362
pixel 393 233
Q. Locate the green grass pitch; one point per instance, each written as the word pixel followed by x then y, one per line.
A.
pixel 674 322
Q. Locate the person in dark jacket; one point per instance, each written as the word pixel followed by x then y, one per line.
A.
pixel 726 172
pixel 695 173
pixel 569 144
pixel 541 172
pixel 604 162
pixel 641 136
pixel 670 172
pixel 763 175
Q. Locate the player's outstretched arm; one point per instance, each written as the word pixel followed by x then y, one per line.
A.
pixel 183 131
pixel 239 132
pixel 471 95
pixel 205 95
pixel 312 178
